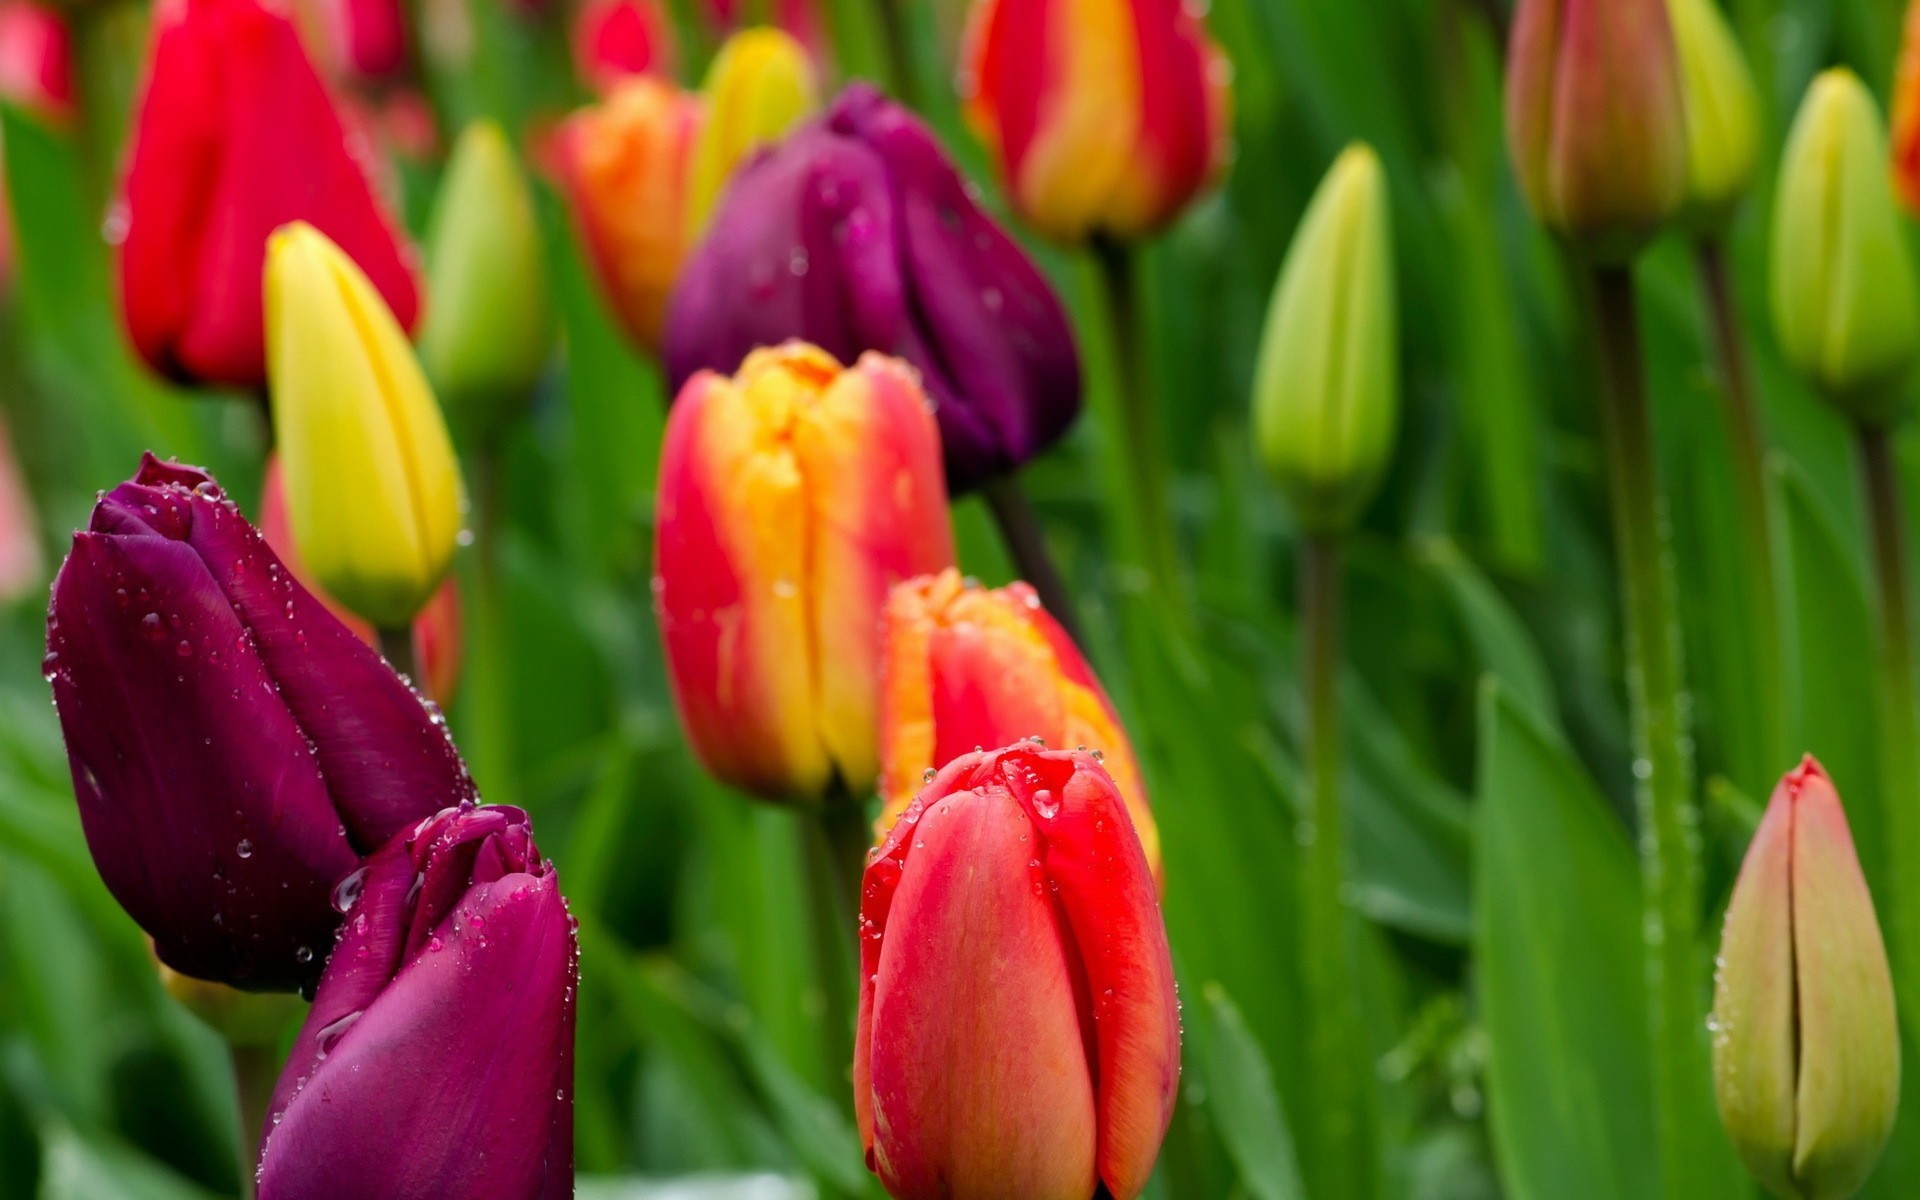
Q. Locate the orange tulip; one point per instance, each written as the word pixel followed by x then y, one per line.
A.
pixel 1906 114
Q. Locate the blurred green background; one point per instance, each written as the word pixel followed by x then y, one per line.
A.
pixel 1494 881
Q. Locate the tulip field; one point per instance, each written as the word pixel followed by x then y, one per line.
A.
pixel 959 599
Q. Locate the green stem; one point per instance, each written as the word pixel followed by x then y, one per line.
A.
pixel 488 690
pixel 1746 438
pixel 397 645
pixel 838 837
pixel 1335 1053
pixel 1899 731
pixel 1150 532
pixel 1663 766
pixel 1027 543
pixel 901 64
pixel 255 1070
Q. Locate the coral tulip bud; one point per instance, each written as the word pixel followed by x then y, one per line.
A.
pixel 1806 1049
pixel 235 137
pixel 1596 122
pixel 1723 110
pixel 487 333
pixel 1019 1033
pixel 792 497
pixel 373 491
pixel 438 1057
pixel 855 234
pixel 36 60
pixel 615 39
pixel 964 667
pixel 1326 390
pixel 624 166
pixel 235 749
pixel 1844 307
pixel 1106 116
pixel 760 85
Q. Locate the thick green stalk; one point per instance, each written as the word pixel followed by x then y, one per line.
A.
pixel 901 64
pixel 489 711
pixel 255 1070
pixel 1663 758
pixel 1899 730
pixel 397 645
pixel 1027 543
pixel 1747 442
pixel 837 837
pixel 1335 1054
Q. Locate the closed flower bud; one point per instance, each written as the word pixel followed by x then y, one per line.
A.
pixel 1806 1051
pixel 438 1057
pixel 615 39
pixel 964 667
pixel 856 234
pixel 365 40
pixel 624 165
pixel 36 60
pixel 1019 1033
pixel 235 749
pixel 1842 287
pixel 792 497
pixel 490 326
pixel 1596 123
pixel 236 136
pixel 1326 390
pixel 373 491
pixel 1906 114
pixel 1723 110
pixel 1106 116
pixel 760 85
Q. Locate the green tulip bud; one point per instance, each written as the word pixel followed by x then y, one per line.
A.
pixel 1806 1048
pixel 489 323
pixel 1326 386
pixel 1723 118
pixel 1842 285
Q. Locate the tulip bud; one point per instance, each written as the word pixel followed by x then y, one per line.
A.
pixel 36 60
pixel 1596 122
pixel 792 497
pixel 235 136
pixel 1723 117
pixel 487 333
pixel 1106 116
pixel 1326 391
pixel 373 491
pixel 1013 954
pixel 366 40
pixel 1842 286
pixel 235 749
pixel 759 86
pixel 624 166
pixel 20 561
pixel 1806 1050
pixel 1906 113
pixel 438 1057
pixel 964 667
pixel 855 234
pixel 615 39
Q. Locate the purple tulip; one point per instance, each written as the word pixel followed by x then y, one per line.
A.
pixel 235 748
pixel 438 1058
pixel 856 233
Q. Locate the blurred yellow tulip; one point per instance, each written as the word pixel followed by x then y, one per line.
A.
pixel 760 85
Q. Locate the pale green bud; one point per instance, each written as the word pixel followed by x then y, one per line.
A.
pixel 1723 111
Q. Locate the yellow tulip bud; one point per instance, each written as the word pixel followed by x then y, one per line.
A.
pixel 1723 118
pixel 373 491
pixel 760 85
pixel 1326 387
pixel 1842 286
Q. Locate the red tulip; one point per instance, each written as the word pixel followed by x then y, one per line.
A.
pixel 366 39
pixel 1019 1033
pixel 234 137
pixel 613 39
pixel 36 59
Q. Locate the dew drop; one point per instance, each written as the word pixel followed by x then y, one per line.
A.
pixel 244 849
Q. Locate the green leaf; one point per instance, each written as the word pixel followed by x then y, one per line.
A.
pixel 77 1168
pixel 1242 1097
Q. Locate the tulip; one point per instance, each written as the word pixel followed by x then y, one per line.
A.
pixel 624 167
pixel 856 234
pixel 20 561
pixel 759 86
pixel 36 60
pixel 1806 1059
pixel 1596 120
pixel 1326 392
pixel 1723 110
pixel 1906 114
pixel 1106 116
pixel 235 136
pixel 792 497
pixel 964 667
pixel 235 749
pixel 436 631
pixel 801 18
pixel 616 39
pixel 373 491
pixel 438 1057
pixel 1842 287
pixel 1019 1033
pixel 366 39
pixel 486 337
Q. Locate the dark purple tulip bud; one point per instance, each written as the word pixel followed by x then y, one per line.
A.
pixel 235 748
pixel 438 1058
pixel 856 233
